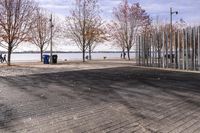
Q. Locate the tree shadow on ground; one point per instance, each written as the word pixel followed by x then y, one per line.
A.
pixel 6 115
pixel 136 89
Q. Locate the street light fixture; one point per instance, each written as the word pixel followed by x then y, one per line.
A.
pixel 171 14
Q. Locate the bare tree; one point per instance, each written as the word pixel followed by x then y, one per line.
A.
pixel 16 20
pixel 96 35
pixel 41 33
pixel 82 24
pixel 131 18
pixel 116 34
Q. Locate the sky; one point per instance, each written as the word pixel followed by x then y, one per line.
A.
pixel 188 9
pixel 157 9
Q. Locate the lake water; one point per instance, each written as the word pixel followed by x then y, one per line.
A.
pixel 32 57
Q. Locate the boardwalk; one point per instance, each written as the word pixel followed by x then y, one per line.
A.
pixel 124 99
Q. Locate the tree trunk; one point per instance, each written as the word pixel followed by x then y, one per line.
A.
pixel 41 54
pixel 90 53
pixel 176 47
pixel 83 53
pixel 123 54
pixel 9 55
pixel 139 50
pixel 128 52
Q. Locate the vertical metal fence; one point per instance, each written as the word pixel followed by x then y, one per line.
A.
pixel 155 49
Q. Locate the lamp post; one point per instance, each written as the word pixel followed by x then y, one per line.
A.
pixel 171 14
pixel 51 38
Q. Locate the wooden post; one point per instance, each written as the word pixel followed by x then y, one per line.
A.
pixel 179 50
pixel 166 50
pixel 198 34
pixel 136 51
pixel 155 50
pixel 144 51
pixel 147 50
pixel 153 45
pixel 143 63
pixel 150 54
pixel 186 46
pixel 139 50
pixel 144 47
pixel 163 49
pixel 159 49
pixel 184 39
pixel 176 50
pixel 194 48
pixel 190 48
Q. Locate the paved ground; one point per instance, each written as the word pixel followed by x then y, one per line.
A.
pixel 123 99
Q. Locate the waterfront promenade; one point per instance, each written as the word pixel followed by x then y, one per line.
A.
pixel 97 97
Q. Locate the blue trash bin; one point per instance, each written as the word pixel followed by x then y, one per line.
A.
pixel 46 59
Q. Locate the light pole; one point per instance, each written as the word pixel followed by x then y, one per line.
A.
pixel 51 38
pixel 171 14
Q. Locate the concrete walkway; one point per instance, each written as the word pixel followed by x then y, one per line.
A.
pixel 125 99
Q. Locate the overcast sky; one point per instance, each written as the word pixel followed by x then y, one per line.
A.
pixel 188 9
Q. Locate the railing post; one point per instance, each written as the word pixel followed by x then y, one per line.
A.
pixel 194 48
pixel 150 54
pixel 139 50
pixel 184 40
pixel 163 49
pixel 167 64
pixel 187 60
pixel 179 49
pixel 198 34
